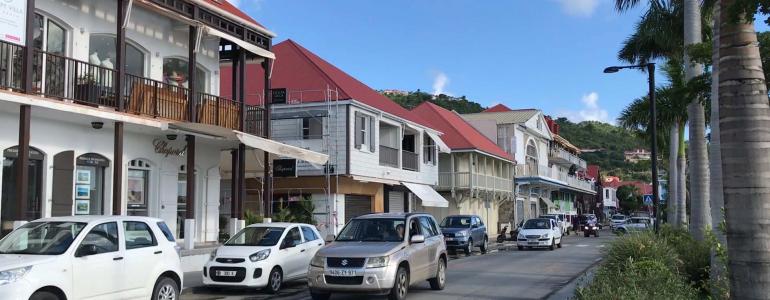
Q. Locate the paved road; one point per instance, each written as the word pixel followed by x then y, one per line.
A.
pixel 504 274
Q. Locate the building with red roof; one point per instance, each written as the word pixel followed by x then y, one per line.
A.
pixel 498 108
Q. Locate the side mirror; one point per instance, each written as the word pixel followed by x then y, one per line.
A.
pixel 86 250
pixel 329 238
pixel 417 239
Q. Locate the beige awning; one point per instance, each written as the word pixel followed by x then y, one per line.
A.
pixel 281 149
pixel 442 147
pixel 238 41
pixel 429 196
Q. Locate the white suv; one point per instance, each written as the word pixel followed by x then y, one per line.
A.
pixel 90 257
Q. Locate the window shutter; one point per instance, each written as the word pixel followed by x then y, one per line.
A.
pixel 435 154
pixel 357 132
pixel 371 134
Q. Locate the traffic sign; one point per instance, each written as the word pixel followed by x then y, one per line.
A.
pixel 647 199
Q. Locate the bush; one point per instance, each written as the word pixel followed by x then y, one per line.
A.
pixel 645 279
pixel 641 247
pixel 695 255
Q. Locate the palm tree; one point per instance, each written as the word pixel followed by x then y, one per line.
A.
pixel 715 160
pixel 744 116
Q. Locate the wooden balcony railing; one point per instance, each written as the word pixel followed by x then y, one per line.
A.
pixel 411 160
pixel 388 156
pixel 61 77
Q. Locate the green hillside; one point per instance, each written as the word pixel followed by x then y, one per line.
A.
pixel 459 104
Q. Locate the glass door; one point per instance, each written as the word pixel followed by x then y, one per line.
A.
pixel 9 198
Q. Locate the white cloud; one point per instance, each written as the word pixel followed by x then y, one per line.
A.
pixel 591 110
pixel 440 82
pixel 579 8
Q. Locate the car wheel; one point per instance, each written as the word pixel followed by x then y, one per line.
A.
pixel 520 248
pixel 165 289
pixel 45 295
pixel 484 246
pixel 469 248
pixel 586 233
pixel 320 296
pixel 553 243
pixel 439 282
pixel 401 286
pixel 275 281
pixel 596 234
pixel 559 244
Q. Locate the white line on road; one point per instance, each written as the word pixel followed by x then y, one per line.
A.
pixel 581 245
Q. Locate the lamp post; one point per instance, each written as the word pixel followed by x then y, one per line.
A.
pixel 653 121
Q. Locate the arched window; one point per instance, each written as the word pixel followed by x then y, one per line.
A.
pixel 89 184
pixel 138 187
pixel 175 73
pixel 531 158
pixel 102 49
pixel 9 200
pixel 48 35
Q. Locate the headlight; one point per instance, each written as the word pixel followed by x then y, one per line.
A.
pixel 261 255
pixel 213 254
pixel 377 262
pixel 461 234
pixel 521 236
pixel 545 236
pixel 12 275
pixel 318 261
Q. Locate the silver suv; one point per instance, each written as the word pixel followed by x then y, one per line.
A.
pixel 380 254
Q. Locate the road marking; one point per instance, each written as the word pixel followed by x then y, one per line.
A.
pixel 598 259
pixel 600 246
pixel 581 245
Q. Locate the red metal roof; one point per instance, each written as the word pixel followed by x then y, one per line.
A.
pixel 228 7
pixel 593 172
pixel 498 108
pixel 644 188
pixel 297 69
pixel 458 134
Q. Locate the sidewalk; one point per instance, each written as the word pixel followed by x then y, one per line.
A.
pixel 568 291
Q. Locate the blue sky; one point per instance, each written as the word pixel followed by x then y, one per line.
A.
pixel 546 54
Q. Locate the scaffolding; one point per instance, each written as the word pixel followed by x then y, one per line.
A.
pixel 323 106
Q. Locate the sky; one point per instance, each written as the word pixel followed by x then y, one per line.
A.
pixel 545 54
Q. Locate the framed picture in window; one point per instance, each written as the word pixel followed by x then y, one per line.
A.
pixel 83 191
pixel 83 177
pixel 136 192
pixel 82 207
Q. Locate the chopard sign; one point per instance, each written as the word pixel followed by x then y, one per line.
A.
pixel 162 147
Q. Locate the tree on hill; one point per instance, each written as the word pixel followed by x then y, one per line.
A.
pixel 459 104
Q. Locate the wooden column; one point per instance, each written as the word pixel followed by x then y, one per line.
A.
pixel 28 52
pixel 22 163
pixel 117 176
pixel 120 68
pixel 241 179
pixel 190 168
pixel 191 78
pixel 234 180
pixel 267 183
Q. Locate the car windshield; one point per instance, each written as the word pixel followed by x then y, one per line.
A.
pixel 373 230
pixel 41 238
pixel 640 221
pixel 256 236
pixel 537 224
pixel 456 222
pixel 618 217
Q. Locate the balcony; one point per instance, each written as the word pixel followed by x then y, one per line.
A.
pixel 411 160
pixel 545 171
pixel 563 157
pixel 388 156
pixel 464 180
pixel 64 78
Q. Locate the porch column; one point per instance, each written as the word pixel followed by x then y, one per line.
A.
pixel 241 147
pixel 191 78
pixel 117 176
pixel 120 68
pixel 189 222
pixel 235 192
pixel 241 181
pixel 267 183
pixel 22 166
pixel 29 35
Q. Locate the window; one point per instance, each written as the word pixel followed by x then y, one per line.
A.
pixel 104 237
pixel 166 231
pixel 427 229
pixel 49 33
pixel 309 234
pixel 103 50
pixel 175 73
pixel 138 182
pixel 138 235
pixel 433 225
pixel 48 36
pixel 364 132
pixel 429 150
pixel 9 202
pixel 606 193
pixel 41 238
pixel 89 184
pixel 539 124
pixel 256 236
pixel 312 128
pixel 292 238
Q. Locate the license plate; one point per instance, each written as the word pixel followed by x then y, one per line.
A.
pixel 341 273
pixel 226 273
pixel 532 243
pixel 448 239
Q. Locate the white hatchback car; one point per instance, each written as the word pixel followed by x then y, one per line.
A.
pixel 541 232
pixel 90 257
pixel 263 256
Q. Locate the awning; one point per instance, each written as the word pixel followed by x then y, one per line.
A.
pixel 238 41
pixel 548 202
pixel 427 194
pixel 442 147
pixel 281 149
pixel 377 180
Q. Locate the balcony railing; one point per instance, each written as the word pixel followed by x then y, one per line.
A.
pixel 560 155
pixel 388 156
pixel 544 171
pixel 464 180
pixel 56 76
pixel 411 160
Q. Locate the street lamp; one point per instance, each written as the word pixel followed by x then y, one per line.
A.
pixel 653 120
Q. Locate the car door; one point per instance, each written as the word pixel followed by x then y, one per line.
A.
pixel 142 256
pixel 290 251
pixel 432 243
pixel 313 241
pixel 418 252
pixel 482 230
pixel 556 231
pixel 98 265
pixel 475 231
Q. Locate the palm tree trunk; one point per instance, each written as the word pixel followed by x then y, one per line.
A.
pixel 744 119
pixel 673 150
pixel 717 270
pixel 681 185
pixel 700 213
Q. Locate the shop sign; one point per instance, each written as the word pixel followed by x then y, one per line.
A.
pixel 278 96
pixel 163 147
pixel 285 168
pixel 13 16
pixel 92 159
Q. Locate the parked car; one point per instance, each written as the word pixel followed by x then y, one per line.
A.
pixel 566 222
pixel 616 220
pixel 635 224
pixel 381 254
pixel 562 225
pixel 515 231
pixel 90 257
pixel 263 256
pixel 541 232
pixel 465 232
